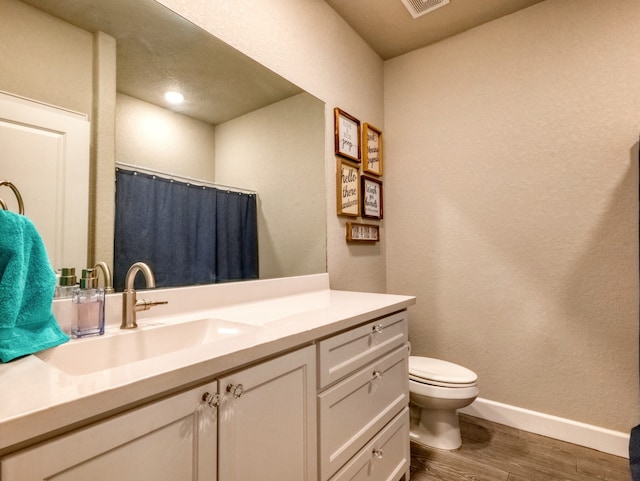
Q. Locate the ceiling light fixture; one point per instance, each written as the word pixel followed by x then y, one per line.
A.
pixel 174 97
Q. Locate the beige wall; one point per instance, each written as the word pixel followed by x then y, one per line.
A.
pixel 157 138
pixel 44 58
pixel 278 151
pixel 512 205
pixel 307 43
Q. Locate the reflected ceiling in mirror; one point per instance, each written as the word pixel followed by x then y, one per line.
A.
pixel 159 50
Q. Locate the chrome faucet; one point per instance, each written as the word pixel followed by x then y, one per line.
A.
pixel 130 304
pixel 107 277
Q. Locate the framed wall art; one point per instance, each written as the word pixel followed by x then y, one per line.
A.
pixel 347 135
pixel 357 232
pixel 371 197
pixel 348 189
pixel 372 153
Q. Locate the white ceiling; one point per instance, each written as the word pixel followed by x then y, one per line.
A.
pixel 388 27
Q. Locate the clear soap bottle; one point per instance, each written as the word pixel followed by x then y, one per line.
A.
pixel 89 300
pixel 66 284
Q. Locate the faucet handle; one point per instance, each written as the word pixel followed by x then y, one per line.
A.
pixel 144 305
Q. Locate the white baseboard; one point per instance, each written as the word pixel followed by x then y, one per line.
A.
pixel 605 440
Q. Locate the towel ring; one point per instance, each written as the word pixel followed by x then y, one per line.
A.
pixel 18 196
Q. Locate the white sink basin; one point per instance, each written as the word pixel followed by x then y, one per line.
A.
pixel 120 347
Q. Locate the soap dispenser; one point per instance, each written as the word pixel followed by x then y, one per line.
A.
pixel 66 283
pixel 89 300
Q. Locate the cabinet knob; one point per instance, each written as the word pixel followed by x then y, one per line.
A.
pixel 377 453
pixel 377 375
pixel 377 328
pixel 212 400
pixel 235 390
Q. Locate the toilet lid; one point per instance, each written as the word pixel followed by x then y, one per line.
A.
pixel 430 369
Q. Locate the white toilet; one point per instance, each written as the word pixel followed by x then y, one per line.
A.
pixel 437 390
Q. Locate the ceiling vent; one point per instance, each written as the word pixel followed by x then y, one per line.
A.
pixel 418 8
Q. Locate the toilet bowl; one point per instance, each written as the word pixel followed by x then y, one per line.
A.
pixel 437 389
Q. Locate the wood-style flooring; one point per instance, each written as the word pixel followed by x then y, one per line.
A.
pixel 494 452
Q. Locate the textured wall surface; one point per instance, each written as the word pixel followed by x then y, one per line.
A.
pixel 266 151
pixel 512 205
pixel 150 136
pixel 45 59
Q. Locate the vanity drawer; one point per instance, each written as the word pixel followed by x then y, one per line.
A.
pixel 355 409
pixel 342 354
pixel 385 458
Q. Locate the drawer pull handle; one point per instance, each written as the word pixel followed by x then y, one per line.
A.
pixel 212 400
pixel 236 391
pixel 377 375
pixel 377 453
pixel 378 328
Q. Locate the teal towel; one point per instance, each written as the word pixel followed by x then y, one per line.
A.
pixel 27 282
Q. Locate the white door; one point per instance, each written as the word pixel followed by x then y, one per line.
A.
pixel 267 421
pixel 44 152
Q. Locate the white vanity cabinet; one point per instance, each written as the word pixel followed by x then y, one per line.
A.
pixel 171 439
pixel 363 402
pixel 331 407
pixel 267 420
pixel 256 423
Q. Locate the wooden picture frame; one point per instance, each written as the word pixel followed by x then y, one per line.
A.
pixel 371 197
pixel 347 135
pixel 348 189
pixel 372 152
pixel 357 232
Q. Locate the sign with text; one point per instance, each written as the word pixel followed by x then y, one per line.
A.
pixel 347 135
pixel 371 197
pixel 348 189
pixel 372 158
pixel 362 232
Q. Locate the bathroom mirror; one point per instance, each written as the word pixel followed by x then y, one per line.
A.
pixel 268 133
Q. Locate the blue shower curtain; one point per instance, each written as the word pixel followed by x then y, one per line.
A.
pixel 187 234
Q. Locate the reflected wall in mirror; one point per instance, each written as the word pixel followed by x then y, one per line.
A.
pixel 240 124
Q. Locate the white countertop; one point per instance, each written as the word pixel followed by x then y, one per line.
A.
pixel 38 399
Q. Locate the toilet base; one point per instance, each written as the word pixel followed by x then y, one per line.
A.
pixel 436 428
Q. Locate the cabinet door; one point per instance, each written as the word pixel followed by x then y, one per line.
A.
pixel 267 420
pixel 173 439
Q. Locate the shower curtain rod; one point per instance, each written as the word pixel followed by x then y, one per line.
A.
pixel 182 178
